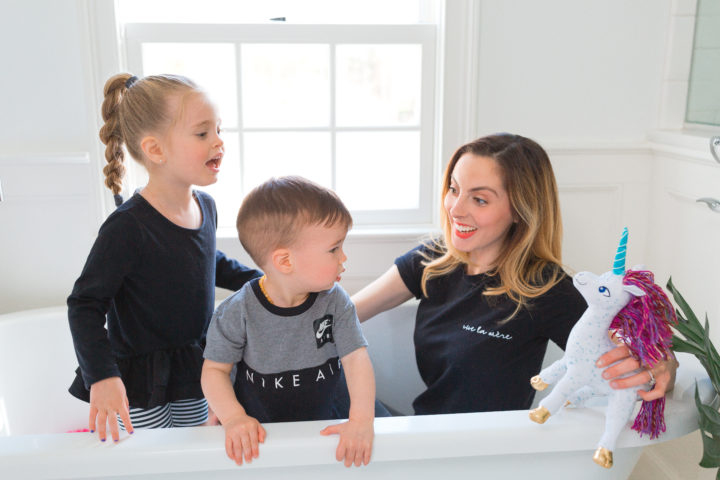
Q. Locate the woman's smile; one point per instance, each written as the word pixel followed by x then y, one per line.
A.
pixel 464 231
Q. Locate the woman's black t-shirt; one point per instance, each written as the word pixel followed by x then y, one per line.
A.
pixel 469 359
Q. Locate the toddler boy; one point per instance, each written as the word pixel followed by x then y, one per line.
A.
pixel 290 331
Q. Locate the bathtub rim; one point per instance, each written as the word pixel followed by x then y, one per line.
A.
pixel 300 444
pixel 295 444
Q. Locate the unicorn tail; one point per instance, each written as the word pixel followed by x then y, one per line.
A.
pixel 651 418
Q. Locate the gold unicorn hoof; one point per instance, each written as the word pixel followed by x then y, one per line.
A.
pixel 537 383
pixel 539 414
pixel 603 457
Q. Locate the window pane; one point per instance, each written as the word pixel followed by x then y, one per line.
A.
pixel 226 191
pixel 378 85
pixel 211 65
pixel 703 101
pixel 285 85
pixel 252 11
pixel 379 170
pixel 275 154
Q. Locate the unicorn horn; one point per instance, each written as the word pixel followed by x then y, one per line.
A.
pixel 619 263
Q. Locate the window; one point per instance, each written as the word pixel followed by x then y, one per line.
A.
pixel 349 106
pixel 703 104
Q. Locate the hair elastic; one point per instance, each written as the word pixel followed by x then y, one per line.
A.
pixel 131 81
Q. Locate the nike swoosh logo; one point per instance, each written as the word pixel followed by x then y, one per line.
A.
pixel 323 326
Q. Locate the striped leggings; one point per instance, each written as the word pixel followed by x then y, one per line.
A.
pixel 183 413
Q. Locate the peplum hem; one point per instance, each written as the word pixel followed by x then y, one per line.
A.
pixel 155 378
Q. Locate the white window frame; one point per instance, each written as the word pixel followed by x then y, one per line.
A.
pixel 455 99
pixel 137 34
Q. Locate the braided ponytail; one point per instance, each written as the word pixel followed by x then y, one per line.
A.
pixel 111 132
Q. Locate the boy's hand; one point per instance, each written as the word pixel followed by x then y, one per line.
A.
pixel 242 435
pixel 108 400
pixel 356 439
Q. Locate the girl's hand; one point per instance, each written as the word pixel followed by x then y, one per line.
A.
pixel 622 363
pixel 108 400
pixel 242 435
pixel 212 418
pixel 356 439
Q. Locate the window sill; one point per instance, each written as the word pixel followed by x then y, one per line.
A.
pixel 693 143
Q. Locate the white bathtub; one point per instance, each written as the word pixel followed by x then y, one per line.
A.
pixel 37 364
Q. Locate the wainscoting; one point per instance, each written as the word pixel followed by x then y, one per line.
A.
pixel 48 220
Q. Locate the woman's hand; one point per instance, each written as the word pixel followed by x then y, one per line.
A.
pixel 622 363
pixel 108 400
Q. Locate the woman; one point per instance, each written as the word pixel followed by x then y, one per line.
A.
pixel 492 290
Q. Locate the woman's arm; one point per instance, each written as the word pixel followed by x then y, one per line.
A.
pixel 385 293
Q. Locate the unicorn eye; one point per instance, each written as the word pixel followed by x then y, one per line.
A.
pixel 603 289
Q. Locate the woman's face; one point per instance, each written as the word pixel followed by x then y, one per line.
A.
pixel 478 208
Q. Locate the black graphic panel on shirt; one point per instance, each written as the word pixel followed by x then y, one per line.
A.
pixel 323 330
pixel 293 395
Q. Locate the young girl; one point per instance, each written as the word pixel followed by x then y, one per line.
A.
pixel 153 268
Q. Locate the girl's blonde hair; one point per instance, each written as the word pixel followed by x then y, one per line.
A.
pixel 131 109
pixel 530 261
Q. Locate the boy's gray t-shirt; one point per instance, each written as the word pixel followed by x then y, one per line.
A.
pixel 287 358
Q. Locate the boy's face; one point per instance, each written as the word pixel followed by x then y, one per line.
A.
pixel 318 256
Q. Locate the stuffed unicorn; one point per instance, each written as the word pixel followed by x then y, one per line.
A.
pixel 626 307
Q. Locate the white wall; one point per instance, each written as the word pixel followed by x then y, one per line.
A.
pixel 51 208
pixel 584 79
pixel 563 70
pixel 44 82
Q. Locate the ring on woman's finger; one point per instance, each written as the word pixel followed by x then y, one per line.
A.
pixel 652 378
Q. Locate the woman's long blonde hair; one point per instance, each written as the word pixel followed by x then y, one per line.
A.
pixel 530 261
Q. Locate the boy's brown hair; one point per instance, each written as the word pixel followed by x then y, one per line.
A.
pixel 273 213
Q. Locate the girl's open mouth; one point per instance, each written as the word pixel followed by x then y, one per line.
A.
pixel 214 163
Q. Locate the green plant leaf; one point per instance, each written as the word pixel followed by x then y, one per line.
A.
pixel 708 418
pixel 680 345
pixel 710 347
pixel 697 342
pixel 689 314
pixel 692 332
pixel 688 323
pixel 711 452
pixel 712 363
